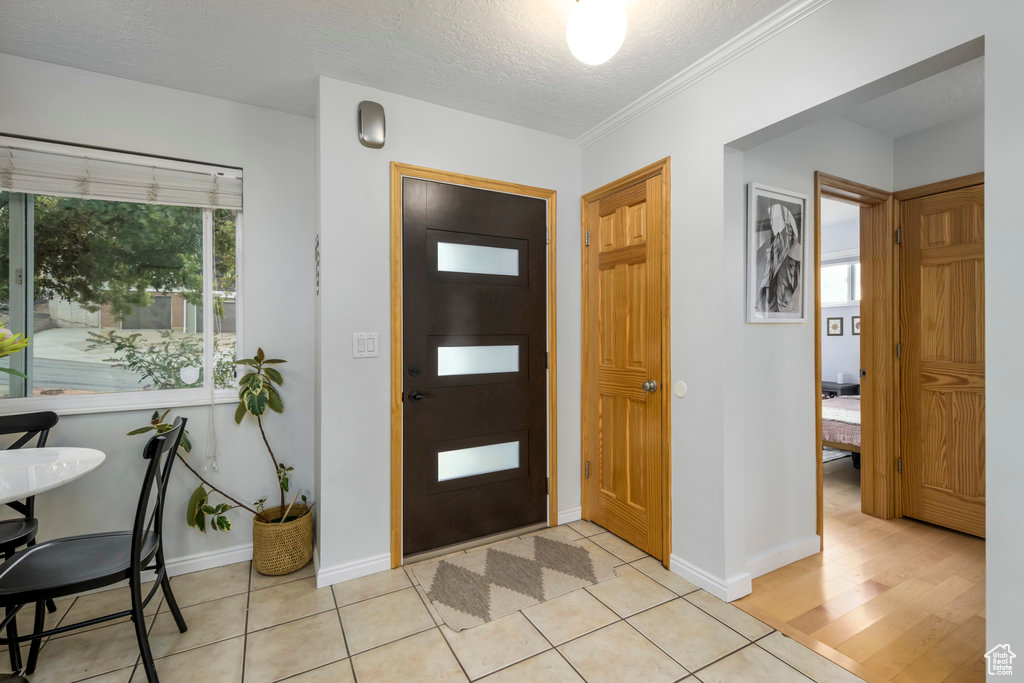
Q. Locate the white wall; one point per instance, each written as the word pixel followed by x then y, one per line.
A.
pixel 948 150
pixel 275 151
pixel 840 354
pixel 355 296
pixel 771 408
pixel 741 98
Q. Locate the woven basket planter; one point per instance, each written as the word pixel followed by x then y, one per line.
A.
pixel 282 548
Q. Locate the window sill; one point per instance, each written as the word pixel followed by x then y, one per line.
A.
pixel 117 403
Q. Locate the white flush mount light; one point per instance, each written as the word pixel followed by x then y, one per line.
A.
pixel 595 30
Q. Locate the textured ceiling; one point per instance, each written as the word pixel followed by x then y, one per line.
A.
pixel 946 96
pixel 506 59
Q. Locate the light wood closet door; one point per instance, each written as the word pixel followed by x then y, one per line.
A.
pixel 622 330
pixel 942 321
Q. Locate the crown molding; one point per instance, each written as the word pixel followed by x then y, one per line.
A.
pixel 766 29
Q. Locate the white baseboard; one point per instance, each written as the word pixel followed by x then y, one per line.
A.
pixel 326 576
pixel 570 515
pixel 208 560
pixel 780 557
pixel 730 589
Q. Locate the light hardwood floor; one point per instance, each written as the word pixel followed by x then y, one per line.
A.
pixel 892 600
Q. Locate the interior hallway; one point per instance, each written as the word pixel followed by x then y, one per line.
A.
pixel 891 599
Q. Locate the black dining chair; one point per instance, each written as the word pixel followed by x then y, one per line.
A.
pixel 66 566
pixel 15 533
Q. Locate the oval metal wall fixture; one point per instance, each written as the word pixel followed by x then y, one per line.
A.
pixel 371 124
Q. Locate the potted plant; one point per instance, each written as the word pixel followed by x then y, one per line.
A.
pixel 282 536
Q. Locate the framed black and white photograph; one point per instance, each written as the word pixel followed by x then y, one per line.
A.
pixel 834 327
pixel 855 324
pixel 776 255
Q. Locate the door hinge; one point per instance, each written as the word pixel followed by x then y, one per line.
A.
pixel 586 470
pixel 899 236
pixel 899 465
pixel 899 351
pixel 586 238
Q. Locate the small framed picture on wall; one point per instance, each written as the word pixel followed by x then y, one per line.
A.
pixel 834 327
pixel 855 324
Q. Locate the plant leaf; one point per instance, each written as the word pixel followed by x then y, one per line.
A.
pixel 201 522
pixel 275 403
pixel 273 375
pixel 256 403
pixel 259 354
pixel 195 503
pixel 239 413
pixel 140 430
pixel 274 361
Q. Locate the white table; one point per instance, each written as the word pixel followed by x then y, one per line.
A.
pixel 28 472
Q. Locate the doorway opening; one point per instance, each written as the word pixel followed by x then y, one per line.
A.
pixel 899 584
pixel 855 370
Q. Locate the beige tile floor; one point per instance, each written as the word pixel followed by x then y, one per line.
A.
pixel 646 624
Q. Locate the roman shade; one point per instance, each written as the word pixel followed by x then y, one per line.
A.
pixel 36 167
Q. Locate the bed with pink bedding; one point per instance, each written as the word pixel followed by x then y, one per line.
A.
pixel 840 423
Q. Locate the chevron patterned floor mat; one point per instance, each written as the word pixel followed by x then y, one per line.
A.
pixel 469 589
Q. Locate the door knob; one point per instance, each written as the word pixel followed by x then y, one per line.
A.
pixel 417 395
pixel 649 386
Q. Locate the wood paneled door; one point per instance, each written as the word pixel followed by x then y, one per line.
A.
pixel 625 358
pixel 942 337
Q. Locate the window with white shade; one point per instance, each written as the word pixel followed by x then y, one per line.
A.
pixel 121 269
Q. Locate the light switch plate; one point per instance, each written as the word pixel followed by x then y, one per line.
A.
pixel 365 345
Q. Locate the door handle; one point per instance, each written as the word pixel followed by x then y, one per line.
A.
pixel 417 395
pixel 650 386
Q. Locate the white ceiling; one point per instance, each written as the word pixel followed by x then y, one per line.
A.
pixel 946 96
pixel 836 214
pixel 506 59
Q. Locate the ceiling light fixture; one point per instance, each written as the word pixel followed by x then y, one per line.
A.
pixel 595 30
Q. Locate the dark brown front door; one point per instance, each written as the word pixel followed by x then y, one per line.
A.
pixel 474 381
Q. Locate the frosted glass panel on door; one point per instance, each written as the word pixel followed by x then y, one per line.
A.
pixel 468 462
pixel 476 360
pixel 471 258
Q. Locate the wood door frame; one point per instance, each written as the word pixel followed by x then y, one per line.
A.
pixel 939 187
pixel 399 171
pixel 664 169
pixel 878 467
